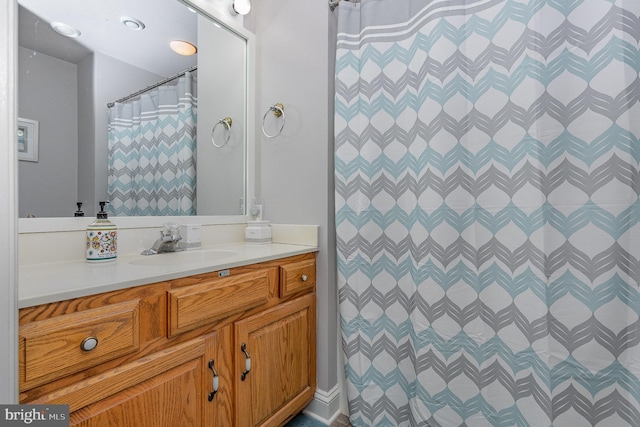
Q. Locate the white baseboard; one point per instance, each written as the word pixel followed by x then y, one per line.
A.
pixel 325 406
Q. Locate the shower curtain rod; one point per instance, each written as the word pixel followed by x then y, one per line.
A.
pixel 153 86
pixel 334 3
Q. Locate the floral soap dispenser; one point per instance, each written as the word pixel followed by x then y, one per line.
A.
pixel 102 238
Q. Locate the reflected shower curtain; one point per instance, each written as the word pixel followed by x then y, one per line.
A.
pixel 152 148
pixel 487 212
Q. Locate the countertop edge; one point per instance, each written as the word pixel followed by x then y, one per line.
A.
pixel 69 276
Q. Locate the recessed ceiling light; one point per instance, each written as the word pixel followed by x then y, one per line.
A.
pixel 65 29
pixel 132 23
pixel 183 48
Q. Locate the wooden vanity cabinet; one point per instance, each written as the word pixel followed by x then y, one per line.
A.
pixel 163 389
pixel 156 352
pixel 280 377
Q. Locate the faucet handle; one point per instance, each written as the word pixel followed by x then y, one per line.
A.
pixel 171 227
pixel 171 231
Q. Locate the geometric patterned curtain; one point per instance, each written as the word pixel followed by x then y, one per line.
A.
pixel 152 151
pixel 487 174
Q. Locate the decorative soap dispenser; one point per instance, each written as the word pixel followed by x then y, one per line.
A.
pixel 102 238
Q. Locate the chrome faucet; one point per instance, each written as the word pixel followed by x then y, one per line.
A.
pixel 168 241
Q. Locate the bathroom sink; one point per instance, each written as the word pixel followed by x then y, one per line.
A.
pixel 185 257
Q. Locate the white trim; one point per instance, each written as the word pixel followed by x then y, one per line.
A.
pixel 220 10
pixel 325 406
pixel 9 209
pixel 45 225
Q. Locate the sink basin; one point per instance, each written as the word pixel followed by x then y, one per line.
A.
pixel 185 257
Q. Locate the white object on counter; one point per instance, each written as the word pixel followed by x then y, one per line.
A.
pixel 191 236
pixel 258 232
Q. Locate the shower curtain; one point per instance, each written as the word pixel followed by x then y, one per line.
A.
pixel 487 211
pixel 152 148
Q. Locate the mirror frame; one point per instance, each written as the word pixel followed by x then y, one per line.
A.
pixel 233 24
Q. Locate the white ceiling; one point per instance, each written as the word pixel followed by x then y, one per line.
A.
pixel 102 31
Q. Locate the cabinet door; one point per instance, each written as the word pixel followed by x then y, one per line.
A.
pixel 282 379
pixel 168 388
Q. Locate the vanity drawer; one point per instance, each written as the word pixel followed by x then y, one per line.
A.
pixel 53 348
pixel 198 305
pixel 297 277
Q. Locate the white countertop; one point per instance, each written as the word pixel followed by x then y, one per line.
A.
pixel 57 281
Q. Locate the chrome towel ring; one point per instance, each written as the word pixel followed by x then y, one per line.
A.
pixel 278 110
pixel 226 122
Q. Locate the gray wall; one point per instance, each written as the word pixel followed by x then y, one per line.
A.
pixel 295 173
pixel 47 92
pixel 72 116
pixel 221 67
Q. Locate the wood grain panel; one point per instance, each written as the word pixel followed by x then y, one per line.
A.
pixel 297 277
pixel 157 340
pixel 223 362
pixel 102 386
pixel 170 399
pixel 281 343
pixel 52 347
pixel 197 305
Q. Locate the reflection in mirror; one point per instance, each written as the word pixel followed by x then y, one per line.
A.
pixel 65 84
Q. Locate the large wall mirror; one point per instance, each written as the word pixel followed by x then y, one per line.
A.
pixel 122 52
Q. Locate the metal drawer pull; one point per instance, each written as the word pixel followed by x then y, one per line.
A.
pixel 247 362
pixel 304 277
pixel 89 343
pixel 214 381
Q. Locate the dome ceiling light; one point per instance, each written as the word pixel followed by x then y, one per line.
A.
pixel 183 48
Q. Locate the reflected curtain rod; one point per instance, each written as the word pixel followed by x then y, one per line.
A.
pixel 334 3
pixel 153 86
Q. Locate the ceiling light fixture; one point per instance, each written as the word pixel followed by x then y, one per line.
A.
pixel 132 23
pixel 241 7
pixel 183 48
pixel 65 29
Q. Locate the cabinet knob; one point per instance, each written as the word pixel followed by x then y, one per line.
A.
pixel 304 278
pixel 89 343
